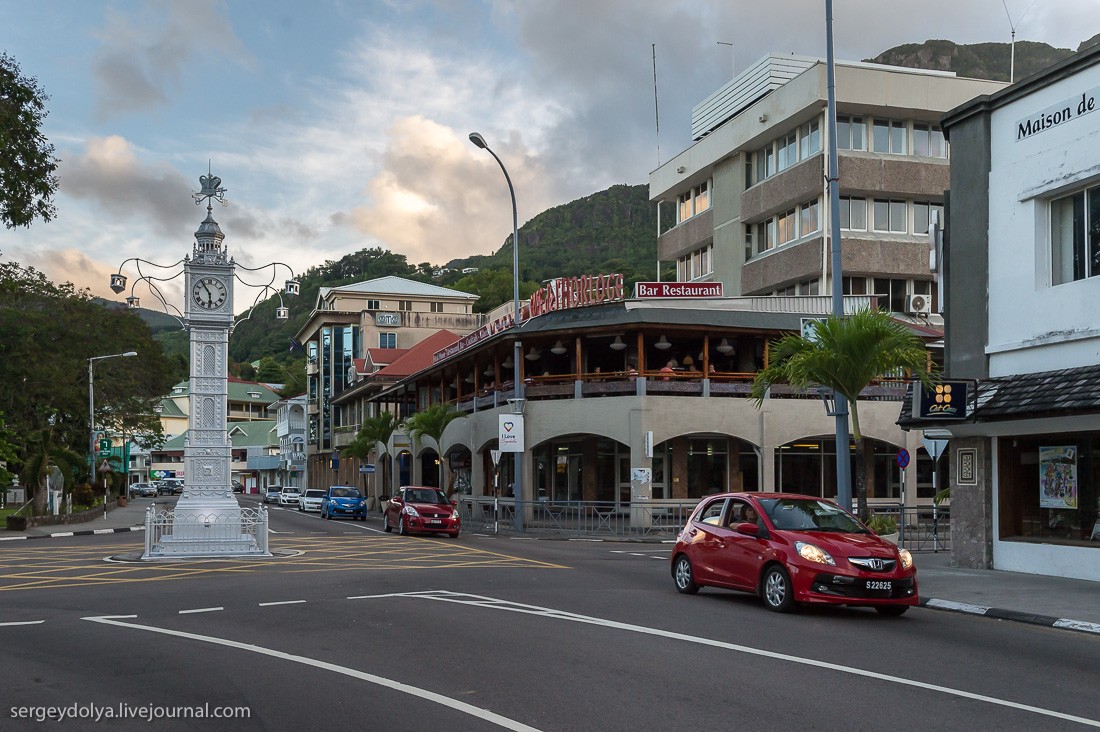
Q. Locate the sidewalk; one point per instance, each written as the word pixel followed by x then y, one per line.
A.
pixel 1050 601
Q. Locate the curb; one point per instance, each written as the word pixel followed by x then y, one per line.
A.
pixel 1015 615
pixel 89 532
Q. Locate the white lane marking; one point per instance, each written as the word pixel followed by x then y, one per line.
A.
pixel 62 533
pixel 1077 625
pixel 201 610
pixel 281 602
pixel 13 538
pixel 23 622
pixel 103 531
pixel 961 607
pixel 484 714
pixel 480 601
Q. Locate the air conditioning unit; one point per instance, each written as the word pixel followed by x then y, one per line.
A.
pixel 919 305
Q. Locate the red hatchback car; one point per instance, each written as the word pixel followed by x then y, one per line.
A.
pixel 791 549
pixel 420 510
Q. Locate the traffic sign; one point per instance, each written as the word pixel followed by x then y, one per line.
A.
pixel 104 445
pixel 903 458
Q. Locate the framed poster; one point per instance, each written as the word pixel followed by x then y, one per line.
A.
pixel 1058 477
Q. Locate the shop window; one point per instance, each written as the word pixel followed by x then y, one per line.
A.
pixel 1050 488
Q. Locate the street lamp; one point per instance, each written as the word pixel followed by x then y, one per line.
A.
pixel 91 409
pixel 517 356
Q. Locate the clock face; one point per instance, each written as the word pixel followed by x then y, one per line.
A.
pixel 209 293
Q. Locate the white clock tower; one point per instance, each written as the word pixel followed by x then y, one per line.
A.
pixel 207 519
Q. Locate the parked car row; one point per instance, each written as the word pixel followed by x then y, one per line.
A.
pixel 412 510
pixel 143 490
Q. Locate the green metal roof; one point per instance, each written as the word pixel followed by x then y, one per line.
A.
pixel 260 433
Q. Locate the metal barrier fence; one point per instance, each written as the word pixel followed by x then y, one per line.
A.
pixel 920 528
pixel 233 532
pixel 579 518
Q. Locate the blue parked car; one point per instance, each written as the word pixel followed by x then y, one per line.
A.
pixel 343 500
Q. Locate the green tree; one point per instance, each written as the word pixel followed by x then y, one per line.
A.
pixel 43 452
pixel 49 333
pixel 374 434
pixel 7 458
pixel 270 371
pixel 28 179
pixel 432 422
pixel 845 354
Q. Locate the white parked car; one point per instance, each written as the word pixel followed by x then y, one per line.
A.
pixel 311 500
pixel 289 496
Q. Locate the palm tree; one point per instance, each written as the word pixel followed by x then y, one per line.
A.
pixel 432 422
pixel 374 430
pixel 845 354
pixel 42 454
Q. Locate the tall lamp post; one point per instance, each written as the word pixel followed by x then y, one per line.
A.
pixel 840 411
pixel 91 409
pixel 517 353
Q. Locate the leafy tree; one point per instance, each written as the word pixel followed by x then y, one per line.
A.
pixel 270 371
pixel 294 379
pixel 50 332
pixel 374 434
pixel 42 452
pixel 432 422
pixel 845 354
pixel 28 179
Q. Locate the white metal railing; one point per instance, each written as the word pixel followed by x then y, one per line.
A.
pixel 232 532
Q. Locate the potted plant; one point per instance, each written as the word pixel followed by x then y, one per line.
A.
pixel 884 526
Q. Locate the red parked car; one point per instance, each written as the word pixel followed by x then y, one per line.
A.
pixel 421 510
pixel 791 549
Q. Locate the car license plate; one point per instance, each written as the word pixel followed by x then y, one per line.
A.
pixel 435 522
pixel 879 585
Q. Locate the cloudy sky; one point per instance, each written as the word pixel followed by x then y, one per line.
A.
pixel 342 124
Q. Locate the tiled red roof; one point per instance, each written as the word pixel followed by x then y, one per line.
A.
pixel 418 357
pixel 383 356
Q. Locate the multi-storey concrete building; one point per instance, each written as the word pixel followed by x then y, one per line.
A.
pixel 360 328
pixel 750 196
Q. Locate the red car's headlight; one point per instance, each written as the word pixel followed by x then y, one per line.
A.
pixel 813 553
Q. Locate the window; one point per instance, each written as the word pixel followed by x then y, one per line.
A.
pixel 921 218
pixel 683 208
pixel 387 340
pixel 788 151
pixel 809 287
pixel 889 137
pixel 748 242
pixel 1075 236
pixel 891 293
pixel 890 216
pixel 692 202
pixel 787 224
pixel 373 305
pixel 810 138
pixel 405 305
pixel 928 141
pixel 851 133
pixel 810 217
pixel 436 307
pixel 855 285
pixel 694 264
pixel 853 213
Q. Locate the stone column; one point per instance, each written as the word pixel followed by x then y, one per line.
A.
pixel 971 469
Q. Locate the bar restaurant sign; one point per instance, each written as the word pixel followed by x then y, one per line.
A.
pixel 945 401
pixel 644 290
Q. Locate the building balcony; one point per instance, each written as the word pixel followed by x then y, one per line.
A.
pixel 686 236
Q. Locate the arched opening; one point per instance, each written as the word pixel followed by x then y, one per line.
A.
pixel 429 468
pixel 580 468
pixel 692 466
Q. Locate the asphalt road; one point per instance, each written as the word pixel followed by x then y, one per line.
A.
pixel 358 629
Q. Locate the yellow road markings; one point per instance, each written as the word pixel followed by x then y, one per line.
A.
pixel 54 567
